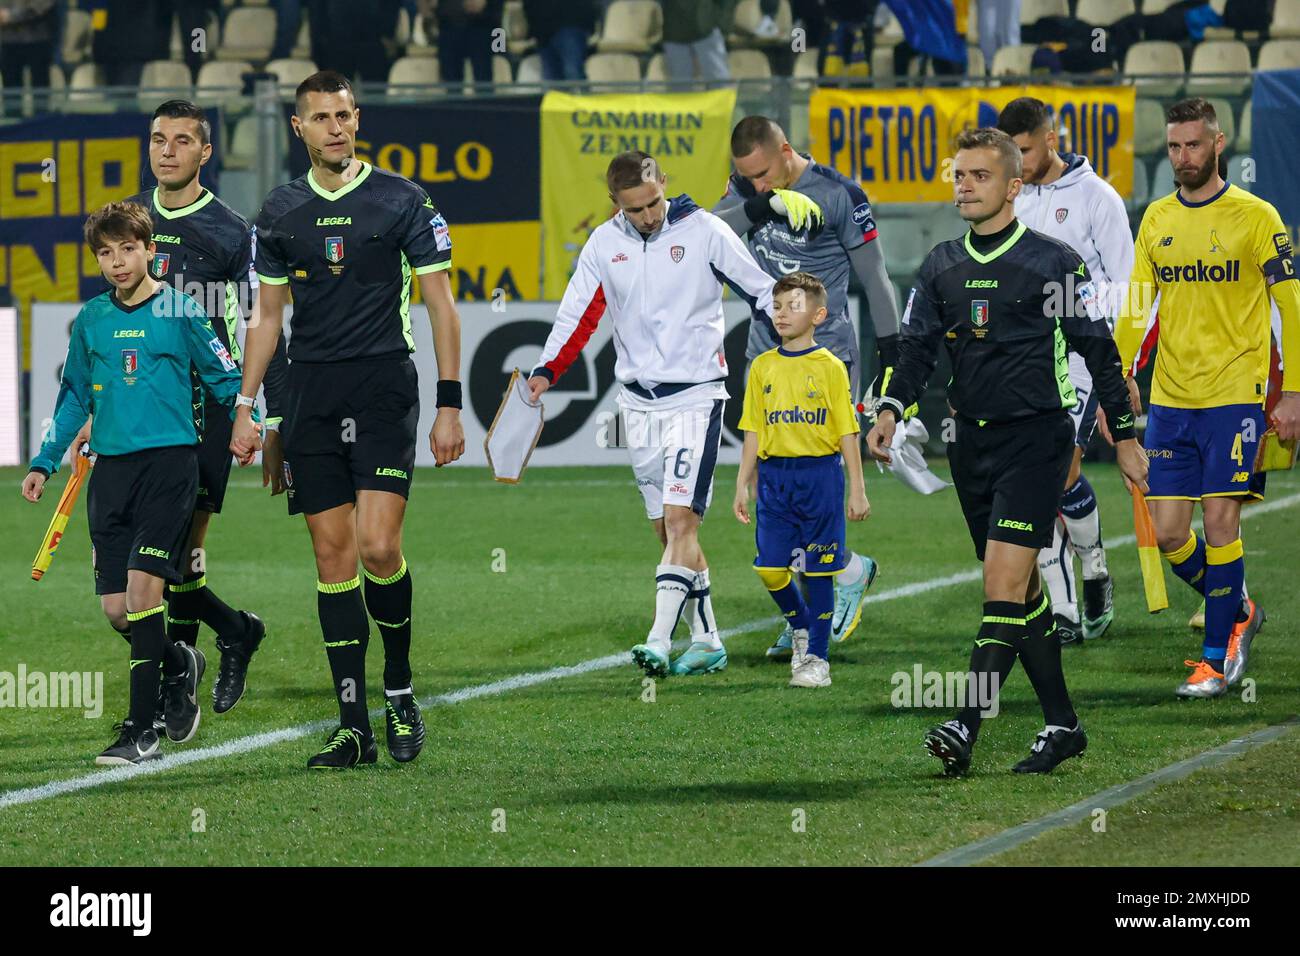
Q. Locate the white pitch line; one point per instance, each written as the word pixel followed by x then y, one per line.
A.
pixel 253 742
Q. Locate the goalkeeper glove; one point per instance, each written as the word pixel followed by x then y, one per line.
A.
pixel 798 209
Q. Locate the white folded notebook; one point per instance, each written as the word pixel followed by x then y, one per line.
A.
pixel 514 432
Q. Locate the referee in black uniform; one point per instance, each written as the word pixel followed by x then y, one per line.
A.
pixel 346 238
pixel 1009 303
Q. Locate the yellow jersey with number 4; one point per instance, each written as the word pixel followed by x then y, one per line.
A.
pixel 1213 265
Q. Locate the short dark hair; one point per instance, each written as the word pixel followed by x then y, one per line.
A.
pixel 118 221
pixel 631 169
pixel 806 282
pixel 184 109
pixel 323 81
pixel 988 137
pixel 755 131
pixel 1192 109
pixel 1025 114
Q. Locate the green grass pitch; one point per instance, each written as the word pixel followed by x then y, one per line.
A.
pixel 734 768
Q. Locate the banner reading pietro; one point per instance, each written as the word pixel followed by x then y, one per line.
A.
pixel 896 142
pixel 688 133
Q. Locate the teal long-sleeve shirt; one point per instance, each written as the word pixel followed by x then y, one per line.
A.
pixel 129 366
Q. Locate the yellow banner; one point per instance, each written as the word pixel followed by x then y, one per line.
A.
pixel 688 133
pixel 899 143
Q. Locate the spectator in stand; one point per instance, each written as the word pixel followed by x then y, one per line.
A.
pixel 694 44
pixel 561 31
pixel 999 26
pixel 127 35
pixel 465 33
pixel 28 29
pixel 850 37
pixel 193 15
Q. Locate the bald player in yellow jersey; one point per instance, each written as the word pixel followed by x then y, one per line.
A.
pixel 1214 254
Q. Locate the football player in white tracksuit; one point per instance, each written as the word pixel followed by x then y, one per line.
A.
pixel 1063 197
pixel 657 267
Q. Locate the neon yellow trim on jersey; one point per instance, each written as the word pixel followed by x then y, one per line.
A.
pixel 141 615
pixel 338 587
pixel 180 213
pixel 1069 398
pixel 436 267
pixel 342 191
pixel 273 280
pixel 232 321
pixel 391 579
pixel 406 304
pixel 983 258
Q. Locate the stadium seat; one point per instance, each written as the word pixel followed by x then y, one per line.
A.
pixel 515 23
pixel 1237 169
pixel 221 83
pixel 882 59
pixel 163 80
pixel 975 62
pixel 179 45
pixel 1245 127
pixel 1148 127
pixel 1162 183
pixel 749 65
pixel 290 72
pixel 891 32
pixel 502 72
pixel 1102 13
pixel 411 70
pixel 746 20
pixel 655 71
pixel 631 26
pixel 1219 56
pixel 77 37
pixel 805 64
pixel 1013 60
pixel 1031 11
pixel 1279 55
pixel 1157 6
pixel 302 43
pixel 1141 187
pixel 1153 58
pixel 1286 19
pixel 530 70
pixel 799 132
pixel 84 90
pixel 1223 111
pixel 613 68
pixel 247 34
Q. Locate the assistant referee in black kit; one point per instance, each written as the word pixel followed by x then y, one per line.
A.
pixel 1009 303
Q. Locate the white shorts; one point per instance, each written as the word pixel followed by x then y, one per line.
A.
pixel 1084 412
pixel 674 452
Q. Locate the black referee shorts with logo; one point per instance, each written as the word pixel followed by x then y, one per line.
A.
pixel 140 507
pixel 214 458
pixel 1010 476
pixel 348 427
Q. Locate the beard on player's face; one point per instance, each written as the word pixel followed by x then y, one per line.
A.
pixel 1194 177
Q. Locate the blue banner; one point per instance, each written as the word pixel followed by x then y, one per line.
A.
pixel 1276 143
pixel 930 26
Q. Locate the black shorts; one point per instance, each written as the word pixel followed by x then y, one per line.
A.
pixel 349 427
pixel 1010 477
pixel 214 459
pixel 140 507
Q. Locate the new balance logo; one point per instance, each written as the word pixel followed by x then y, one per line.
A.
pixel 1220 592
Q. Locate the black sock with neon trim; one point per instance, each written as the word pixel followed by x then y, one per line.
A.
pixel 389 602
pixel 1000 635
pixel 346 631
pixel 148 638
pixel 183 602
pixel 1040 655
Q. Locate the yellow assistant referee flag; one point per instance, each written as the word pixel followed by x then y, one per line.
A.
pixel 54 533
pixel 1153 570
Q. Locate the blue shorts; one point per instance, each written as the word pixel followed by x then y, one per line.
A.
pixel 800 515
pixel 1200 453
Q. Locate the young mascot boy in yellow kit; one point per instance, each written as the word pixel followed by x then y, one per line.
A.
pixel 799 422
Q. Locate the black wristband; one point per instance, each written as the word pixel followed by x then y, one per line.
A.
pixel 448 393
pixel 887 346
pixel 38 470
pixel 758 208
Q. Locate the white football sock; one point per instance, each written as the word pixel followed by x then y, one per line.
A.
pixel 699 613
pixel 672 583
pixel 1056 568
pixel 1085 540
pixel 854 571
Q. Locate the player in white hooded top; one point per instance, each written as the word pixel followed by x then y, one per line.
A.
pixel 658 267
pixel 1063 197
